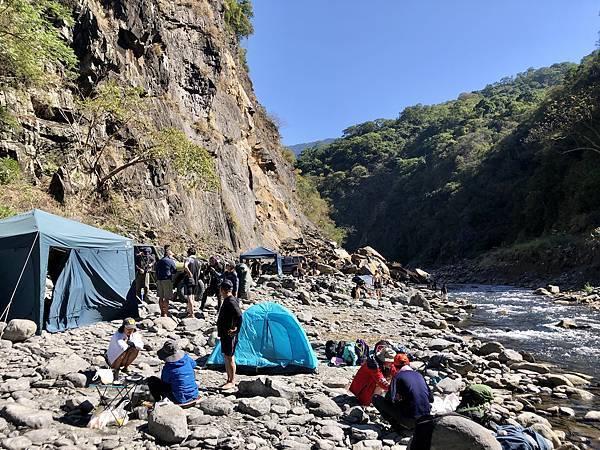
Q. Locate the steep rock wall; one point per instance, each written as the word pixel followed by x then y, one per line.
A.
pixel 183 56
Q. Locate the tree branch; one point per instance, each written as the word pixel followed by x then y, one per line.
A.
pixel 137 160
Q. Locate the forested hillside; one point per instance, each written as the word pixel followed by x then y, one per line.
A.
pixel 516 161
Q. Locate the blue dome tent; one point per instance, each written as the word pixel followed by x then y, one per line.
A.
pixel 92 271
pixel 271 341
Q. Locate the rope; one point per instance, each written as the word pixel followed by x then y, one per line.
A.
pixel 4 314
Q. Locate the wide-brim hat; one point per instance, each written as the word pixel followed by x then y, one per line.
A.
pixel 170 352
pixel 386 355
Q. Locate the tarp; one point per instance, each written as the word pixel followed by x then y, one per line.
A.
pixel 271 341
pixel 264 253
pixel 94 284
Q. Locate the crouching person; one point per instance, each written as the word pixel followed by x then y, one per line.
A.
pixel 407 400
pixel 124 347
pixel 372 378
pixel 177 381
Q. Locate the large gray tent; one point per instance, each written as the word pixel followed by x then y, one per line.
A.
pixel 92 271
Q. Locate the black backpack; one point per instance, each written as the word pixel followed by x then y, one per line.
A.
pixel 339 349
pixel 330 349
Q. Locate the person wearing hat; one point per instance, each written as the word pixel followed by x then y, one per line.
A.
pixel 124 346
pixel 371 377
pixel 177 380
pixel 408 398
pixel 229 323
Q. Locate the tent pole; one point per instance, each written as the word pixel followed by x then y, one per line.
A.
pixel 4 314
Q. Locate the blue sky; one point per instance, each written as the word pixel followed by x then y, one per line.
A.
pixel 323 65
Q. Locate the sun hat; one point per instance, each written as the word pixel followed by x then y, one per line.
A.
pixel 386 355
pixel 170 352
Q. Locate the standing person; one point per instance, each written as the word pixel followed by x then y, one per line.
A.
pixel 313 268
pixel 213 275
pixel 377 283
pixel 144 264
pixel 408 398
pixel 228 328
pixel 192 282
pixel 231 275
pixel 245 281
pixel 255 268
pixel 165 270
pixel 124 347
pixel 444 290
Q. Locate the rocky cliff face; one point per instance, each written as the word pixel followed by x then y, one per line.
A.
pixel 182 54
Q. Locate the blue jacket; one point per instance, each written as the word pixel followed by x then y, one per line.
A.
pixel 180 376
pixel 410 394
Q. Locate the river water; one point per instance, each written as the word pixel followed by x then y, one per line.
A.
pixel 524 321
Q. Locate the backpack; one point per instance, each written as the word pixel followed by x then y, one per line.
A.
pixel 339 349
pixel 330 349
pixel 349 354
pixel 362 351
pixel 475 403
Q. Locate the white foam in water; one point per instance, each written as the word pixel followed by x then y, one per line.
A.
pixel 529 321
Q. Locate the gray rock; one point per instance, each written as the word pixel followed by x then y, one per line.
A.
pixel 460 433
pixel 418 299
pixel 489 348
pixel 255 406
pixel 435 324
pixel 304 316
pixel 508 356
pixel 450 386
pixel 532 367
pixel 42 436
pixel 592 416
pixel 440 344
pixel 78 379
pixel 267 387
pixel 527 419
pixel 322 406
pixel 304 297
pixel 166 323
pixel 332 432
pixel 364 432
pixel 216 406
pixel 369 444
pixel 63 365
pixel 552 380
pixel 24 416
pixel 168 424
pixel 19 330
pixel 16 443
pixel 14 385
pixel 206 432
pixel 191 324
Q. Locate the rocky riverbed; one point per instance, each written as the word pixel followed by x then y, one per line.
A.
pixel 44 402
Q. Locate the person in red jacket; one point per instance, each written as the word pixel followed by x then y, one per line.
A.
pixel 371 377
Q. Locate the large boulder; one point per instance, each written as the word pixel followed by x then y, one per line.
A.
pixel 19 330
pixel 458 433
pixel 63 365
pixel 418 299
pixel 168 424
pixel 24 416
pixel 322 406
pixel 267 387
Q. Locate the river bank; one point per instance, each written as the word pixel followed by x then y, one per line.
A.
pixel 37 375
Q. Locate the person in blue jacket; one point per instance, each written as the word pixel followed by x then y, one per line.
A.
pixel 177 380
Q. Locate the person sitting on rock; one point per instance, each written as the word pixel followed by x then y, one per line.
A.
pixel 124 347
pixel 370 378
pixel 407 399
pixel 177 380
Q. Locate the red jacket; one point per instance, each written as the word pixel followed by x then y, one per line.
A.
pixel 365 381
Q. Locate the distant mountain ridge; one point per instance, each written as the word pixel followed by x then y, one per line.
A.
pixel 299 148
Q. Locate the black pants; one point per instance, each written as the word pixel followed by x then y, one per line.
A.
pixel 390 412
pixel 211 290
pixel 159 389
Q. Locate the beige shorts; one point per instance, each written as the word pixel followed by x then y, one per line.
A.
pixel 164 289
pixel 142 281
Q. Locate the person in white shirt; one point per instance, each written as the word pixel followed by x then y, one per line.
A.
pixel 124 346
